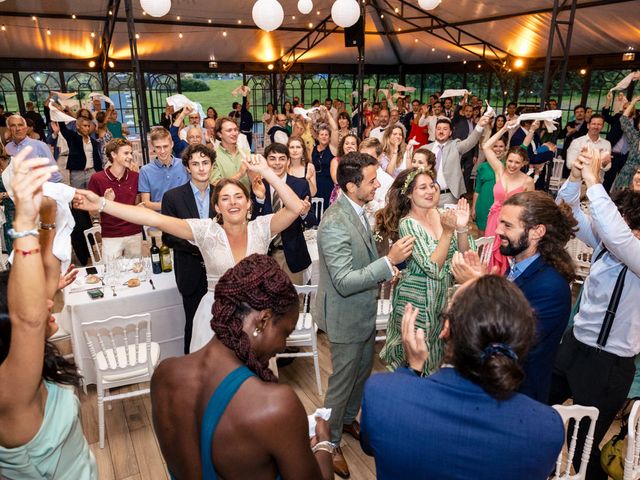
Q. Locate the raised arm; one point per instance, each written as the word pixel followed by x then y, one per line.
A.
pixel 631 133
pixel 530 133
pixel 21 372
pixel 89 201
pixel 492 158
pixel 334 143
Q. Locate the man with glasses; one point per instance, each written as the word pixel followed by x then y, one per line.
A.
pixel 278 133
pixel 229 155
pixel 19 140
pixel 163 173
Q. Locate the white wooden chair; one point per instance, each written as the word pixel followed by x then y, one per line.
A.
pixel 555 181
pixel 384 311
pixel 62 335
pixel 632 458
pixel 305 333
pixel 123 354
pixel 581 254
pixel 94 234
pixel 575 413
pixel 317 203
pixel 485 248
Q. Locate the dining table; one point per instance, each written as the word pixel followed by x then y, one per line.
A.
pixel 158 296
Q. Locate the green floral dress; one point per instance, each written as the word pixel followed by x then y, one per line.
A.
pixel 425 286
pixel 623 180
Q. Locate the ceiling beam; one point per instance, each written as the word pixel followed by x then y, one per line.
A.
pixel 386 27
pixel 107 34
pixel 507 16
pixel 307 42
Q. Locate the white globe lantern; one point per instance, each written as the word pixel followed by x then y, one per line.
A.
pixel 267 14
pixel 305 6
pixel 345 13
pixel 429 4
pixel 156 8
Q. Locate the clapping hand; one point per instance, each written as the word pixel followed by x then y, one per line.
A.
pixel 462 213
pixel 28 178
pixel 415 347
pixel 467 266
pixel 109 194
pixel 306 206
pixel 448 220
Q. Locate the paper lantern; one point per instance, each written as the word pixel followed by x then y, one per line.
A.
pixel 156 8
pixel 345 13
pixel 267 14
pixel 429 4
pixel 305 6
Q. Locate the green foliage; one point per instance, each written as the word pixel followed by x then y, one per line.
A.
pixel 194 85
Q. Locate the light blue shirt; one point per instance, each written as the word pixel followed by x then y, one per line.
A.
pixel 518 267
pixel 202 202
pixel 606 226
pixel 40 150
pixel 156 178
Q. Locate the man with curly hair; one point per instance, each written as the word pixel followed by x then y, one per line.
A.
pixel 595 363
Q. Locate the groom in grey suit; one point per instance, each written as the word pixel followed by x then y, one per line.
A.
pixel 350 272
pixel 448 154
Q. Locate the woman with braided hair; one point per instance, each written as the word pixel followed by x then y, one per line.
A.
pixel 223 243
pixel 219 411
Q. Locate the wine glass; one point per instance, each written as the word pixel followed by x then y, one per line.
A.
pixel 111 274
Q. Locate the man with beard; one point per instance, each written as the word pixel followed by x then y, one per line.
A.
pixel 534 231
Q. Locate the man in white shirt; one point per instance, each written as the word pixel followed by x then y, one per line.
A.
pixel 448 153
pixel 430 121
pixel 373 147
pixel 383 122
pixel 333 111
pixel 511 111
pixel 593 141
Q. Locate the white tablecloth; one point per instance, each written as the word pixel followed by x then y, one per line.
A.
pixel 164 304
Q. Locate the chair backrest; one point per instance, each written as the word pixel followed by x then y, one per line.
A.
pixel 558 164
pixel 115 343
pixel 384 299
pixel 486 244
pixel 632 458
pixel 308 291
pixel 317 203
pixel 575 413
pixel 581 254
pixel 94 246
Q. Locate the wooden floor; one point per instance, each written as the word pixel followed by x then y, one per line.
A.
pixel 131 450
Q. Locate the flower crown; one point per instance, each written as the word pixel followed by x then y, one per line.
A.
pixel 412 176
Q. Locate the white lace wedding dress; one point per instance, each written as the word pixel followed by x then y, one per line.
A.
pixel 212 241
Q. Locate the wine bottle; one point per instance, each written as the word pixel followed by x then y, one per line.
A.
pixel 165 258
pixel 155 256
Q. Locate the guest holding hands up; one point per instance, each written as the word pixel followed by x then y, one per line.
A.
pixel 41 434
pixel 412 210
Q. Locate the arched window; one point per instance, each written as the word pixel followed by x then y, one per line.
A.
pixel 36 87
pixel 160 86
pixel 122 91
pixel 83 83
pixel 315 88
pixel 8 96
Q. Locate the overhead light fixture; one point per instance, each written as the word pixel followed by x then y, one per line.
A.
pixel 310 25
pixel 93 34
pixel 464 62
pixel 518 63
pixel 92 64
pixel 156 8
pixel 224 34
pixel 3 28
pixel 48 32
pixel 209 20
pixel 628 57
pixel 111 64
pixel 34 18
pixel 137 36
pixel 270 66
pixel 73 16
pixel 178 18
pixel 583 71
pixel 180 35
pixel 428 4
pixel 213 64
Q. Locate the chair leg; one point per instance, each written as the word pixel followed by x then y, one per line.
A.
pixel 316 366
pixel 101 418
pixel 106 394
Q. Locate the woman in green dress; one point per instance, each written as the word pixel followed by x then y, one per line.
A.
pixel 411 209
pixel 485 181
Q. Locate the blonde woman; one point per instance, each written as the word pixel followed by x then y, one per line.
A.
pixel 300 165
pixel 393 149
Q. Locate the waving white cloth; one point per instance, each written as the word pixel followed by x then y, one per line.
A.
pixel 402 88
pixel 626 81
pixel 397 95
pixel 454 93
pixel 305 113
pixel 323 413
pixel 547 117
pixel 58 96
pixel 58 115
pixel 489 112
pixel 366 88
pixel 241 90
pixel 179 101
pixel 101 97
pixel 385 92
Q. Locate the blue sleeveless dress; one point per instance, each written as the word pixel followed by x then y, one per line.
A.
pixel 212 415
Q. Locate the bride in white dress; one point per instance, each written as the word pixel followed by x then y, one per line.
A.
pixel 222 244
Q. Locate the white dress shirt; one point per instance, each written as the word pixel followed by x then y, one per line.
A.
pixel 439 166
pixel 377 132
pixel 606 226
pixel 577 145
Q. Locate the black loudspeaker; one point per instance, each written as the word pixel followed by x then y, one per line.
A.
pixel 354 35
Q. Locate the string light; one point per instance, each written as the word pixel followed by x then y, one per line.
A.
pixel 464 62
pixel 310 25
pixel 180 35
pixel 239 22
pixel 73 16
pixel 415 40
pixel 178 18
pixel 448 56
pixel 137 36
pixel 110 12
pixel 48 32
pixel 293 17
pixel 92 64
pixel 144 13
pixel 93 34
pixel 270 66
pixel 111 64
pixel 209 20
pixel 224 34
pixel 34 18
pixel 397 10
pixel 433 49
pixel 382 16
pixel 3 28
pixel 317 12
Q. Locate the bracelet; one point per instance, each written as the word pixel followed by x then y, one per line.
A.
pixel 102 204
pixel 15 235
pixel 47 226
pixel 325 446
pixel 464 230
pixel 26 252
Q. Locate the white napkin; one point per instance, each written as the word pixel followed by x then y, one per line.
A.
pixel 58 96
pixel 397 95
pixel 454 93
pixel 402 88
pixel 323 413
pixel 626 81
pixel 101 97
pixel 385 92
pixel 305 113
pixel 489 112
pixel 58 115
pixel 241 90
pixel 179 101
pixel 366 88
pixel 548 117
pixel 63 195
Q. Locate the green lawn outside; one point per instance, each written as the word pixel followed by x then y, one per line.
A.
pixel 219 96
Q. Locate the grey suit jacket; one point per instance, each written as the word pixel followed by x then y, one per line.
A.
pixel 350 272
pixel 453 151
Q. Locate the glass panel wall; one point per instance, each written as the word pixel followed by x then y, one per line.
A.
pixel 315 88
pixel 36 87
pixel 342 87
pixel 8 95
pixel 159 87
pixel 211 89
pixel 122 91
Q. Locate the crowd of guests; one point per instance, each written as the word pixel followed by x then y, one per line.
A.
pixel 396 205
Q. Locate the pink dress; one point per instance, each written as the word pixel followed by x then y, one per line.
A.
pixel 499 197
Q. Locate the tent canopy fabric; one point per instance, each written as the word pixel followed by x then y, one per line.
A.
pixel 601 27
